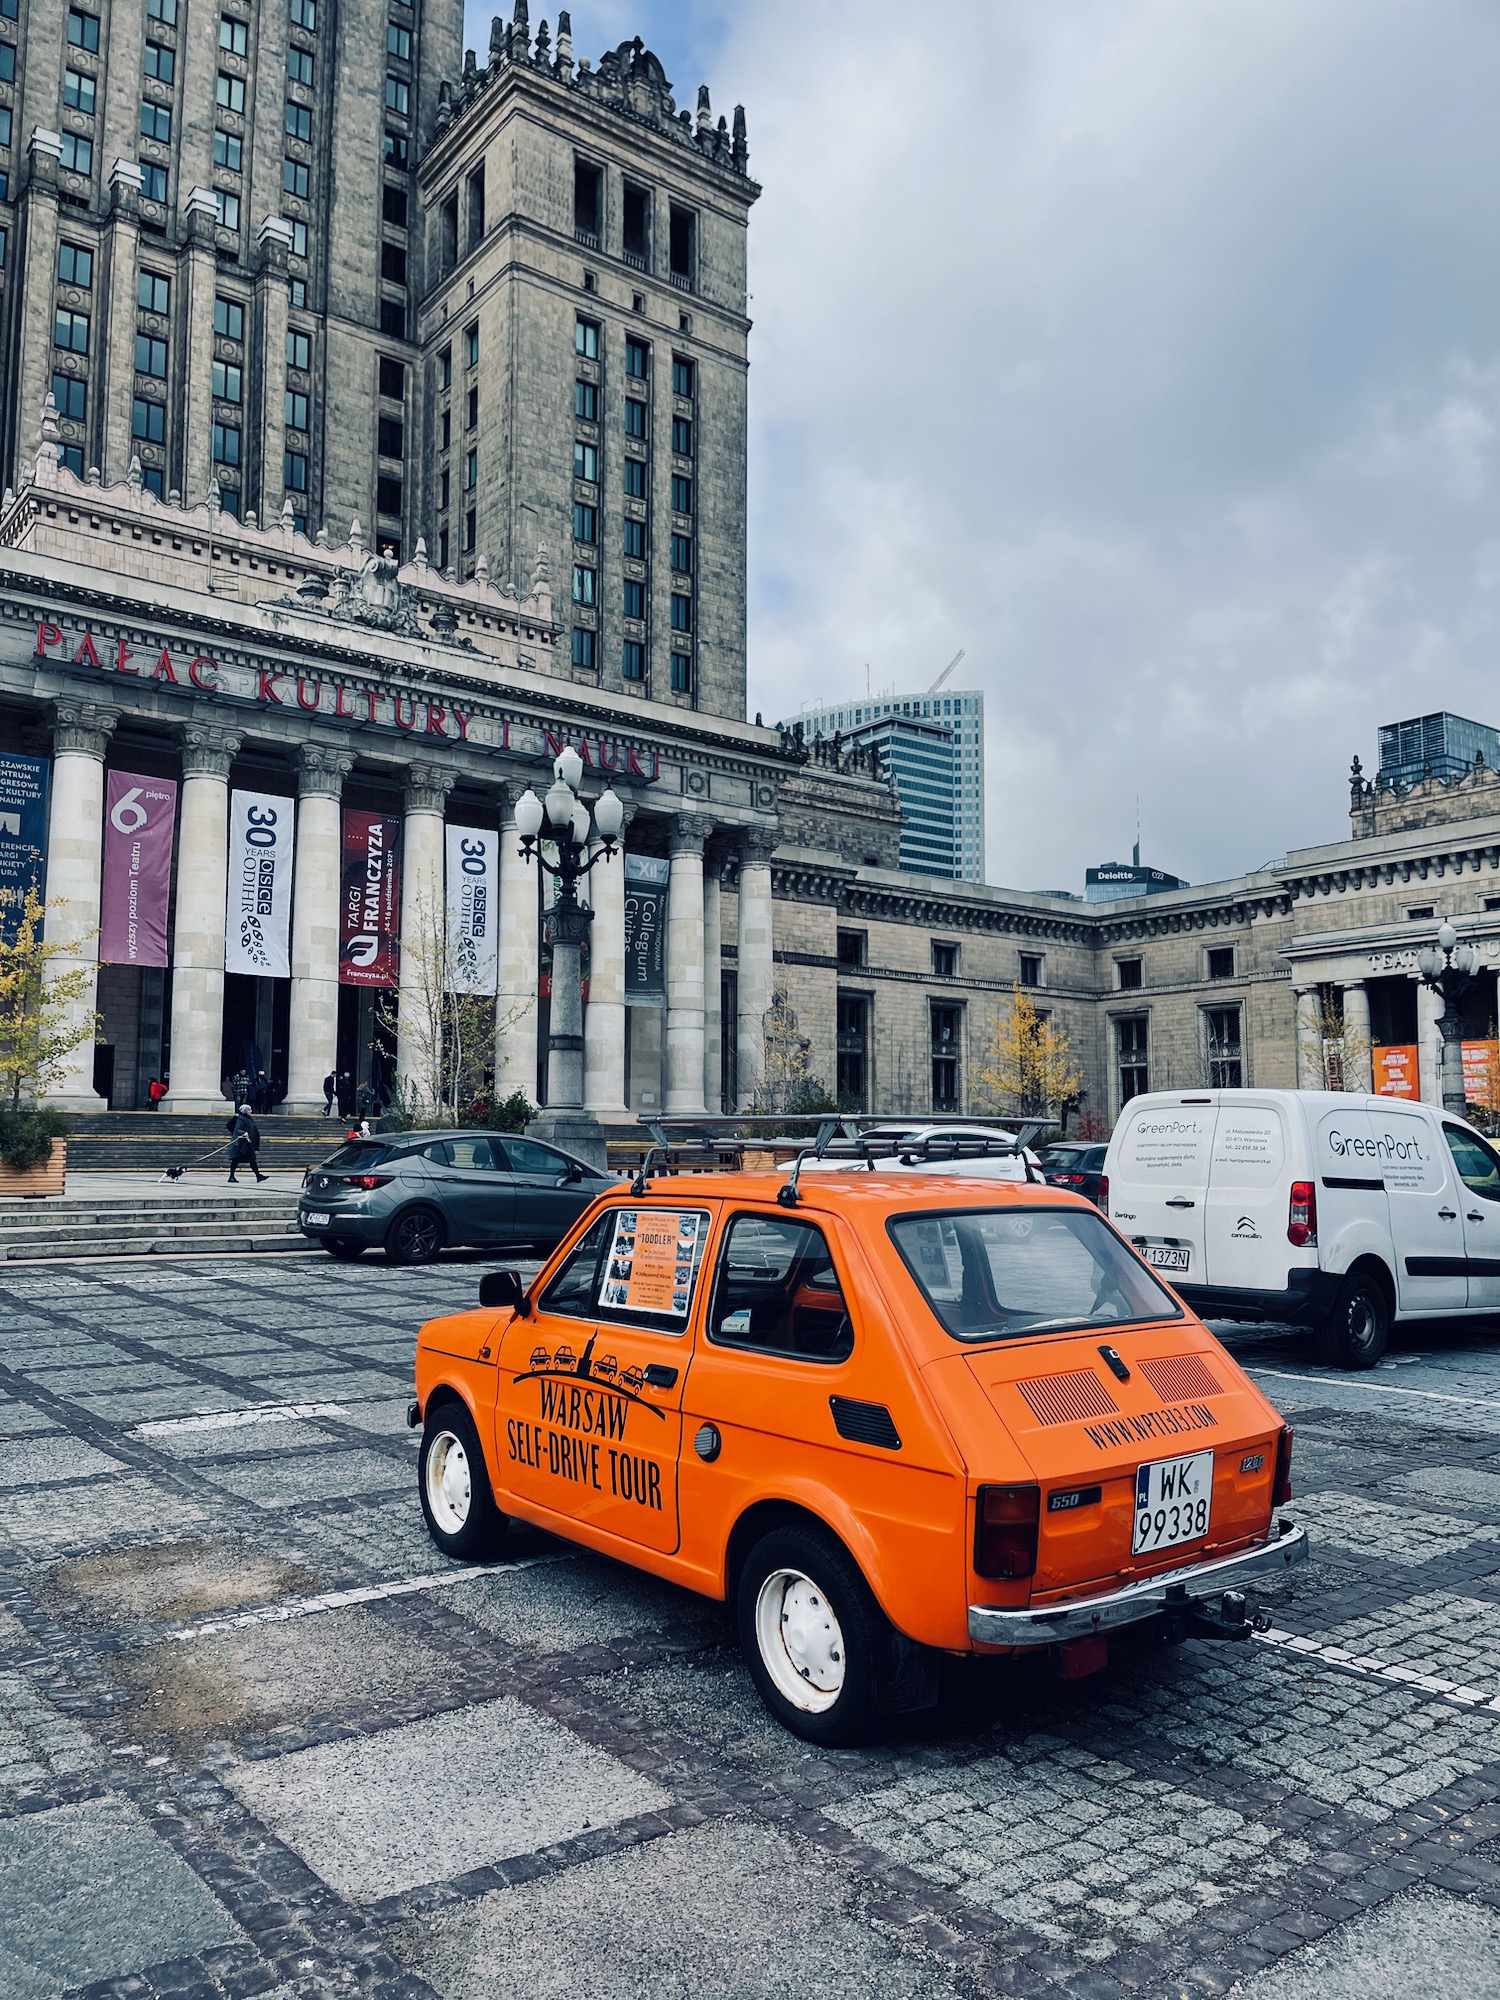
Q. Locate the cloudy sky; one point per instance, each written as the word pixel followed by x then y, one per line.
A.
pixel 1149 350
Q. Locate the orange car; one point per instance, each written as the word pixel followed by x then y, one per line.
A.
pixel 885 1416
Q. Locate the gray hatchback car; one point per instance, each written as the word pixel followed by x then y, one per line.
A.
pixel 413 1193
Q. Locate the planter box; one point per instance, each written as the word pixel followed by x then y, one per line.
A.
pixel 49 1178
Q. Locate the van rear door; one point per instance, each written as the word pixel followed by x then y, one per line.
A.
pixel 1157 1193
pixel 1245 1240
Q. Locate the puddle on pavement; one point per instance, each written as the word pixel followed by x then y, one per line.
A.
pixel 172 1581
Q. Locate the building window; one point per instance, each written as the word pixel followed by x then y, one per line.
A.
pixel 153 293
pixel 585 584
pixel 1128 972
pixel 585 461
pixel 1131 1057
pixel 634 539
pixel 471 469
pixel 70 331
pixel 682 494
pixel 393 206
pixel 71 396
pixel 83 30
pixel 586 401
pixel 635 225
pixel 442 549
pixel 229 319
pixel 233 35
pixel 634 598
pixel 583 647
pixel 586 339
pixel 1031 968
pixel 156 122
pixel 397 95
pixel 682 376
pixel 387 495
pixel 945 960
pixel 635 418
pixel 682 554
pixel 683 246
pixel 159 63
pixel 299 66
pixel 390 439
pixel 471 532
pixel 229 500
pixel 298 121
pixel 229 151
pixel 393 319
pixel 398 41
pixel 298 349
pixel 229 91
pixel 294 471
pixel 392 378
pixel 1221 1027
pixel 851 949
pixel 633 660
pixel 852 1028
pixel 445 369
pixel 226 439
pixel 77 153
pixel 585 522
pixel 303 14
pixel 164 11
pixel 473 408
pixel 295 179
pixel 296 410
pixel 393 263
pixel 682 673
pixel 150 356
pixel 225 381
pixel 588 204
pixel 229 209
pixel 471 345
pixel 396 149
pixel 474 213
pixel 153 180
pixel 1221 961
pixel 78 90
pixel 682 436
pixel 154 480
pixel 443 492
pixel 635 478
pixel 946 1032
pixel 682 612
pixel 637 358
pixel 75 266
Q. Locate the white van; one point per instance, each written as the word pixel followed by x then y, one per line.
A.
pixel 1329 1210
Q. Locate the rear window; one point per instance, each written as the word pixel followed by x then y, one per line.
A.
pixel 991 1274
pixel 1064 1160
pixel 357 1156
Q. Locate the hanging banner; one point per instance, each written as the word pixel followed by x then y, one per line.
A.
pixel 1481 1073
pixel 23 835
pixel 139 814
pixel 258 922
pixel 370 903
pixel 646 879
pixel 473 909
pixel 1396 1070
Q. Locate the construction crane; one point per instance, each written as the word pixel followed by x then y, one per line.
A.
pixel 946 671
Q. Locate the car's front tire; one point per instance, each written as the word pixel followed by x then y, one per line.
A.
pixel 812 1634
pixel 1355 1332
pixel 454 1486
pixel 415 1236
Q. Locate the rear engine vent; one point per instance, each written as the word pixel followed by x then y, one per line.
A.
pixel 1067 1399
pixel 864 1423
pixel 1178 1378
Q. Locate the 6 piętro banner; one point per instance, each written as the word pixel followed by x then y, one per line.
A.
pixel 257 929
pixel 473 909
pixel 136 878
pixel 23 835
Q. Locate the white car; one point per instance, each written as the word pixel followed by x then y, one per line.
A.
pixel 983 1152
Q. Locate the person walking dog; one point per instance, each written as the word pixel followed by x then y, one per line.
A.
pixel 244 1144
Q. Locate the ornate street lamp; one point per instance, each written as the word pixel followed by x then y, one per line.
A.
pixel 564 1121
pixel 1450 969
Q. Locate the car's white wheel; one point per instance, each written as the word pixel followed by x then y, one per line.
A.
pixel 454 1486
pixel 813 1636
pixel 800 1640
pixel 450 1487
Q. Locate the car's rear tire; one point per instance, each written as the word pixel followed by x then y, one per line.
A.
pixel 1355 1332
pixel 454 1486
pixel 812 1634
pixel 345 1248
pixel 415 1236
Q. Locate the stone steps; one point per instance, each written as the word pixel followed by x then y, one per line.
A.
pixel 36 1231
pixel 146 1142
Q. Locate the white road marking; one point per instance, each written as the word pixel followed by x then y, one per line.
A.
pixel 371 1593
pixel 1383 1670
pixel 233 1420
pixel 1375 1388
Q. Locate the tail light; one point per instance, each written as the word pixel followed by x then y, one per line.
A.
pixel 1302 1215
pixel 1005 1530
pixel 1281 1492
pixel 1104 1193
pixel 367 1181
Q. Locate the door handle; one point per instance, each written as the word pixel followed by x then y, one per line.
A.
pixel 659 1375
pixel 1448 1214
pixel 1473 1215
pixel 1179 1201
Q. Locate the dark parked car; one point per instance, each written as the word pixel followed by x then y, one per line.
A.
pixel 1077 1165
pixel 415 1192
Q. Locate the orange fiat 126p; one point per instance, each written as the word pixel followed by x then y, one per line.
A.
pixel 885 1416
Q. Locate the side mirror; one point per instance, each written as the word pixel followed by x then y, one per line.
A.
pixel 502 1288
pixel 574 1173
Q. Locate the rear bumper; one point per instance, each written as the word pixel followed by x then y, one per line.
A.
pixel 362 1228
pixel 1307 1300
pixel 1048 1624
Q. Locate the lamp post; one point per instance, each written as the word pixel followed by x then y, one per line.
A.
pixel 1450 969
pixel 564 1121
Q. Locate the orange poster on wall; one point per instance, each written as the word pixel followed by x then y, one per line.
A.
pixel 1396 1070
pixel 1481 1071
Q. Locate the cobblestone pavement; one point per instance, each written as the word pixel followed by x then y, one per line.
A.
pixel 256 1738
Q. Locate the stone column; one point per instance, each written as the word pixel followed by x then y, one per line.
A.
pixel 265 426
pixel 604 1016
pixel 423 923
pixel 684 1065
pixel 1309 1038
pixel 713 973
pixel 35 279
pixel 516 1002
pixel 756 969
pixel 75 857
pixel 316 879
pixel 116 291
pixel 198 271
pixel 202 905
pixel 1429 1045
pixel 1359 1071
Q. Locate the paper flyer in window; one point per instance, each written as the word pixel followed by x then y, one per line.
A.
pixel 650 1267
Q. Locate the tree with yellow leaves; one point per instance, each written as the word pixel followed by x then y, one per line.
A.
pixel 40 1025
pixel 1028 1067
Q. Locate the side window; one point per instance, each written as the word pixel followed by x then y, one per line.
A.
pixel 471 1153
pixel 573 1291
pixel 1478 1168
pixel 633 1267
pixel 440 1153
pixel 777 1292
pixel 527 1157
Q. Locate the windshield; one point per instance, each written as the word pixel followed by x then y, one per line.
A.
pixel 994 1274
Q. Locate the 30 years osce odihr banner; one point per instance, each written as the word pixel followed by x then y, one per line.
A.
pixel 23 835
pixel 257 931
pixel 473 910
pixel 646 880
pixel 136 877
pixel 370 905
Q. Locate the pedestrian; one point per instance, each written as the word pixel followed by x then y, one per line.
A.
pixel 156 1090
pixel 330 1085
pixel 262 1101
pixel 244 1144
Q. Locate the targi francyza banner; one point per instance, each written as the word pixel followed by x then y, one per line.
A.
pixel 370 903
pixel 646 879
pixel 136 881
pixel 473 910
pixel 23 835
pixel 259 916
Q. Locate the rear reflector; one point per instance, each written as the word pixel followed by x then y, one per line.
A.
pixel 1005 1530
pixel 1281 1492
pixel 1104 1193
pixel 1302 1215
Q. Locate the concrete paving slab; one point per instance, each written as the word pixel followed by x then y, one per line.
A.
pixel 39 1461
pixel 558 1607
pixel 138 1509
pixel 331 1474
pixel 420 1803
pixel 92 1894
pixel 37 1745
pixel 1424 1942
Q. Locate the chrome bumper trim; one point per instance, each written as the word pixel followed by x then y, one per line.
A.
pixel 1047 1624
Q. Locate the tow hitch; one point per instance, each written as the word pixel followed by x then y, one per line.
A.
pixel 1236 1615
